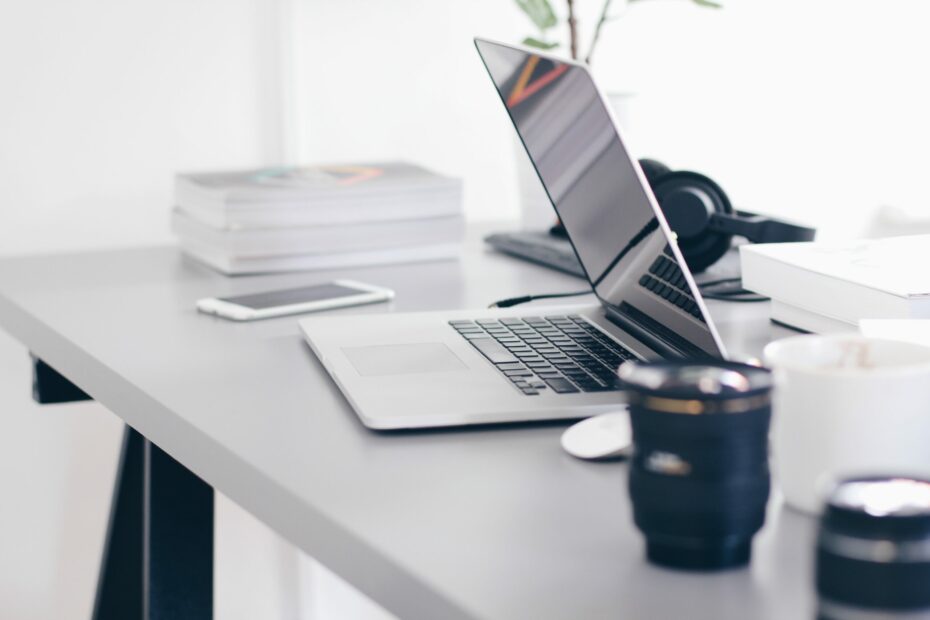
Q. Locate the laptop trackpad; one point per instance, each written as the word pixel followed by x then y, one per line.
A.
pixel 401 359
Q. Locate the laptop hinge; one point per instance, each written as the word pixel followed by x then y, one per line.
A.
pixel 663 347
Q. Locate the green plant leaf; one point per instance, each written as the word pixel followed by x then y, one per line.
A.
pixel 534 42
pixel 710 4
pixel 540 12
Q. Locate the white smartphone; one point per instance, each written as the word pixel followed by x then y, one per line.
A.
pixel 254 306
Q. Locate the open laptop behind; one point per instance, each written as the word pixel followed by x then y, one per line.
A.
pixel 483 366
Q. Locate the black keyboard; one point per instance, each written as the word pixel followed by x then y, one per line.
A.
pixel 666 280
pixel 564 354
pixel 538 247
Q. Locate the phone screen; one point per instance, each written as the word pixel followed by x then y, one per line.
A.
pixel 287 297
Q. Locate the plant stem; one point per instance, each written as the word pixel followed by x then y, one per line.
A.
pixel 572 29
pixel 597 30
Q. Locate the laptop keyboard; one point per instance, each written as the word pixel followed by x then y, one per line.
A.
pixel 666 280
pixel 564 354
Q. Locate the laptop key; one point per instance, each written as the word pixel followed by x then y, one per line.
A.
pixel 493 350
pixel 511 366
pixel 572 369
pixel 518 373
pixel 561 386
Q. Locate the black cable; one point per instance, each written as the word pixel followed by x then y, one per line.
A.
pixel 740 295
pixel 516 301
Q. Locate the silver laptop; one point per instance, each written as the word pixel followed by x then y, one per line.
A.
pixel 542 362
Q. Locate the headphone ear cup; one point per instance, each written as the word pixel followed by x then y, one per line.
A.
pixel 688 200
pixel 654 170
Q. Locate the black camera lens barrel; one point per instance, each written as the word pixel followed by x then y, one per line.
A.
pixel 873 550
pixel 699 475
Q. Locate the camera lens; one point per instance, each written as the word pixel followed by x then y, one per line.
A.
pixel 873 551
pixel 699 475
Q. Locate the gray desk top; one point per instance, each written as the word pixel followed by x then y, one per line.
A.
pixel 480 523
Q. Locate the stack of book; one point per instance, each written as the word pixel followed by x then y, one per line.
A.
pixel 826 287
pixel 325 217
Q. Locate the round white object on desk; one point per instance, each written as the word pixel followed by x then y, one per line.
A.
pixel 602 437
pixel 847 406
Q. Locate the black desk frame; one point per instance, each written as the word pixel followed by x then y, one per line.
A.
pixel 158 556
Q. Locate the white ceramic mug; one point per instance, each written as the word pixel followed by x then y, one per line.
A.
pixel 846 405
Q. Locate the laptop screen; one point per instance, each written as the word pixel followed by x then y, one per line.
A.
pixel 601 197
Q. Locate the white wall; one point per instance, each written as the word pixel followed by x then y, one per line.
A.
pixel 815 110
pixel 102 100
pixel 812 110
pixel 56 474
pixel 380 80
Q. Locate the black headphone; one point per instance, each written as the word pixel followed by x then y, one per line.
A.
pixel 699 212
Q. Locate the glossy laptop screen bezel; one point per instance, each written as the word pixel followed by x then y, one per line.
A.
pixel 712 345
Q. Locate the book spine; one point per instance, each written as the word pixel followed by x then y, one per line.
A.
pixel 339 215
pixel 298 262
pixel 320 240
pixel 802 320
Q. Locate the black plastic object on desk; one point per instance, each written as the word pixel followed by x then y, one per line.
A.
pixel 873 551
pixel 699 475
pixel 540 247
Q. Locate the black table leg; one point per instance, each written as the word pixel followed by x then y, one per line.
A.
pixel 158 556
pixel 119 585
pixel 178 535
